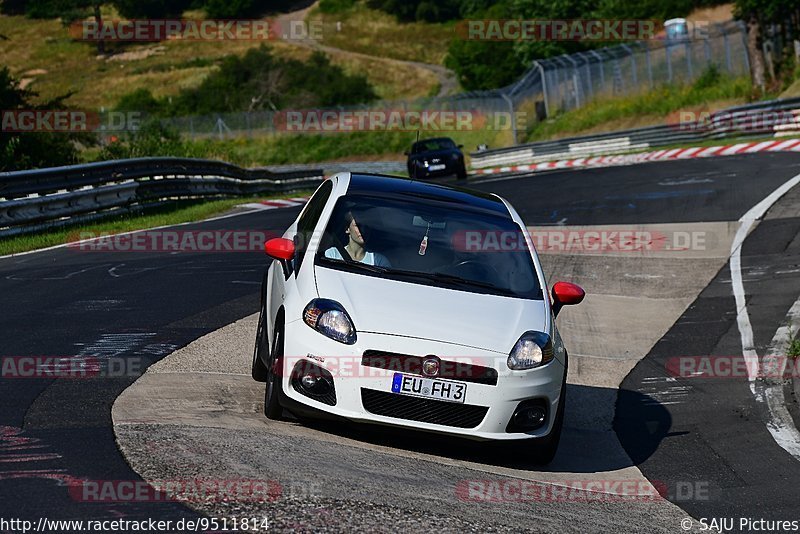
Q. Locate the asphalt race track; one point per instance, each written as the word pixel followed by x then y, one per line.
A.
pixel 705 440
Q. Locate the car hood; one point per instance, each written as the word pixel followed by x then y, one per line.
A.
pixel 382 306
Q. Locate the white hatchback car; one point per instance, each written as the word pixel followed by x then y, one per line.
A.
pixel 414 305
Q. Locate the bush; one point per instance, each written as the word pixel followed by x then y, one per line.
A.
pixel 260 81
pixel 483 65
pixel 336 6
pixel 142 101
pixel 151 140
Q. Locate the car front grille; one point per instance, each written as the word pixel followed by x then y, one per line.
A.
pixel 404 363
pixel 424 410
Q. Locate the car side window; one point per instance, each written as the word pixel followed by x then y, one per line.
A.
pixel 308 221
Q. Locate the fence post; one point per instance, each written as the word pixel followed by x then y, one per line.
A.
pixel 539 66
pixel 602 71
pixel 745 51
pixel 633 63
pixel 727 51
pixel 669 64
pixel 575 83
pixel 513 118
pixel 649 66
pixel 589 83
pixel 689 49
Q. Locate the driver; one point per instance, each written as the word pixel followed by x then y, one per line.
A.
pixel 356 246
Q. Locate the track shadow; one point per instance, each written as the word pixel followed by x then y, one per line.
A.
pixel 589 444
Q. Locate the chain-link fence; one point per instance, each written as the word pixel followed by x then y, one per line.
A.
pixel 571 81
pixel 550 86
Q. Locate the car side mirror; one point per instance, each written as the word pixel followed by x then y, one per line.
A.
pixel 566 294
pixel 460 146
pixel 282 250
pixel 406 153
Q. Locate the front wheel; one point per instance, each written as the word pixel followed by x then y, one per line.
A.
pixel 462 172
pixel 258 369
pixel 272 406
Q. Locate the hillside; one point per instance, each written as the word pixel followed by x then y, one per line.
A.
pixel 42 54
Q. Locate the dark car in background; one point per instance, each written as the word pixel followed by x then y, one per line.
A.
pixel 438 156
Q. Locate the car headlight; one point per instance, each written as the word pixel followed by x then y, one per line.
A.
pixel 533 349
pixel 329 318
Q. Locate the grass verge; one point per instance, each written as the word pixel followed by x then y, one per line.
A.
pixel 165 216
pixel 794 347
pixel 282 149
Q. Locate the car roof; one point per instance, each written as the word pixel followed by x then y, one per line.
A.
pixel 393 186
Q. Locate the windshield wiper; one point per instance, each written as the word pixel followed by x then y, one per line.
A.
pixel 357 264
pixel 453 279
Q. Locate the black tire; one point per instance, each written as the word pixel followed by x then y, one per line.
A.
pixel 259 370
pixel 272 405
pixel 462 172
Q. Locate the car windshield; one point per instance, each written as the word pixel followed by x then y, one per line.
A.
pixel 433 144
pixel 430 242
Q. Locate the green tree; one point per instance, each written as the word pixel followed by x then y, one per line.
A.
pixel 757 13
pixel 33 149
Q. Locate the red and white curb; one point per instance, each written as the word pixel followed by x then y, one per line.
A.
pixel 792 145
pixel 275 204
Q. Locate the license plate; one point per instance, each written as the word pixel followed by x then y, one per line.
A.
pixel 429 388
pixel 436 167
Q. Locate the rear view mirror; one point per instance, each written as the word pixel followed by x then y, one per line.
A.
pixel 420 221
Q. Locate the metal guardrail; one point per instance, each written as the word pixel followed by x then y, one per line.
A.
pixel 39 199
pixel 746 121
